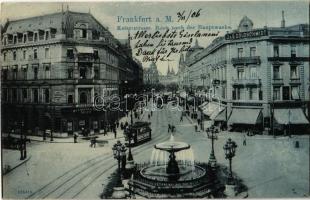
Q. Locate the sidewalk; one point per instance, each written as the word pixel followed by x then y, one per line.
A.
pixel 11 160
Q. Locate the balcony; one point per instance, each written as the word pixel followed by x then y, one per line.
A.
pixel 295 81
pixel 246 60
pixel 246 81
pixel 277 81
pixel 288 59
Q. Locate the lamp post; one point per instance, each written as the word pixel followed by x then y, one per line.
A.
pixel 230 150
pixel 212 136
pixel 130 161
pixel 119 151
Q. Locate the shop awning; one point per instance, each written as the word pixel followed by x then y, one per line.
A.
pixel 210 108
pixel 221 116
pixel 290 116
pixel 203 104
pixel 216 113
pixel 81 49
pixel 245 116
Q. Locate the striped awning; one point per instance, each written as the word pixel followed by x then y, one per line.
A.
pixel 290 116
pixel 216 112
pixel 210 108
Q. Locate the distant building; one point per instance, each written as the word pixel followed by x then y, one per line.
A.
pixel 170 77
pixel 151 74
pixel 55 66
pixel 259 76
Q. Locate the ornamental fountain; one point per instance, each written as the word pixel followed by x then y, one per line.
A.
pixel 173 173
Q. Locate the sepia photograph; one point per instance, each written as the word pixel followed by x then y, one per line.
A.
pixel 160 100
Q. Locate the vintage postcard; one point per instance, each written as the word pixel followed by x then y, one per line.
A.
pixel 165 100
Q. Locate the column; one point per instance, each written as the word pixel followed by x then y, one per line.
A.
pixel 76 95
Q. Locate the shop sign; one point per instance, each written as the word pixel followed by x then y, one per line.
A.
pixel 248 34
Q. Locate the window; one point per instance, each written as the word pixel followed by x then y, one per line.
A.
pixel 97 75
pixel 70 98
pixel 240 73
pixel 25 38
pixel 47 72
pixel 35 37
pixel 4 74
pixel 24 54
pixel 35 95
pixel 295 93
pixel 35 54
pixel 276 93
pixel 83 98
pixel 70 73
pixel 46 95
pixel 35 72
pixel 47 35
pixel 15 72
pixel 14 39
pixel 276 72
pixel 286 93
pixel 24 71
pixel 253 72
pixel 83 33
pixel 70 53
pixel 96 54
pixel 82 72
pixel 294 72
pixel 14 55
pixel 293 51
pixel 252 51
pixel 276 51
pixel 47 52
pixel 24 95
pixel 4 56
pixel 240 52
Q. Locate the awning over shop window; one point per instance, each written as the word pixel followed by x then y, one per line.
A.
pixel 216 113
pixel 245 116
pixel 81 49
pixel 290 116
pixel 210 108
pixel 221 116
pixel 203 105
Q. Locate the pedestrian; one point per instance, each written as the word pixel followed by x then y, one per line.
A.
pixel 126 124
pixel 169 128
pixel 117 123
pixel 75 137
pixel 151 113
pixel 244 140
pixel 196 127
pixel 104 131
pixel 181 118
pixel 173 128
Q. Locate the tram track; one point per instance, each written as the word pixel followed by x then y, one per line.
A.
pixel 74 181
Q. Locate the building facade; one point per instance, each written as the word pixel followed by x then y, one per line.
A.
pixel 151 74
pixel 258 77
pixel 54 68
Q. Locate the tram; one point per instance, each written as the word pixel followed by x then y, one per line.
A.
pixel 138 133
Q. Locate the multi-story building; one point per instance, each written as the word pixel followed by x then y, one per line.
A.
pixel 259 77
pixel 55 66
pixel 151 74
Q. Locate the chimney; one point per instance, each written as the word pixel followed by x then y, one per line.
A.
pixel 283 20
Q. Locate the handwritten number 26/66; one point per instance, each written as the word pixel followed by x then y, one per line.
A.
pixel 192 14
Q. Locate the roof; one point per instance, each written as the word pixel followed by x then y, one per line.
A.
pixel 62 21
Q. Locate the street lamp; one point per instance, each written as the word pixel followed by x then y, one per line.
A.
pixel 130 161
pixel 119 150
pixel 230 150
pixel 211 135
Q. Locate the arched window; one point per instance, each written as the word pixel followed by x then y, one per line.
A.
pixel 83 98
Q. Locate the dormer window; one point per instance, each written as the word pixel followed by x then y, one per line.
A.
pixel 15 39
pixel 35 37
pixel 24 38
pixel 47 35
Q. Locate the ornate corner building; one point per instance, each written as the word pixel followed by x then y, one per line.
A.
pixel 55 66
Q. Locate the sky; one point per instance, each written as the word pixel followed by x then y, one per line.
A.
pixel 263 13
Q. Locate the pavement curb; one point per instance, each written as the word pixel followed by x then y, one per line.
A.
pixel 24 161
